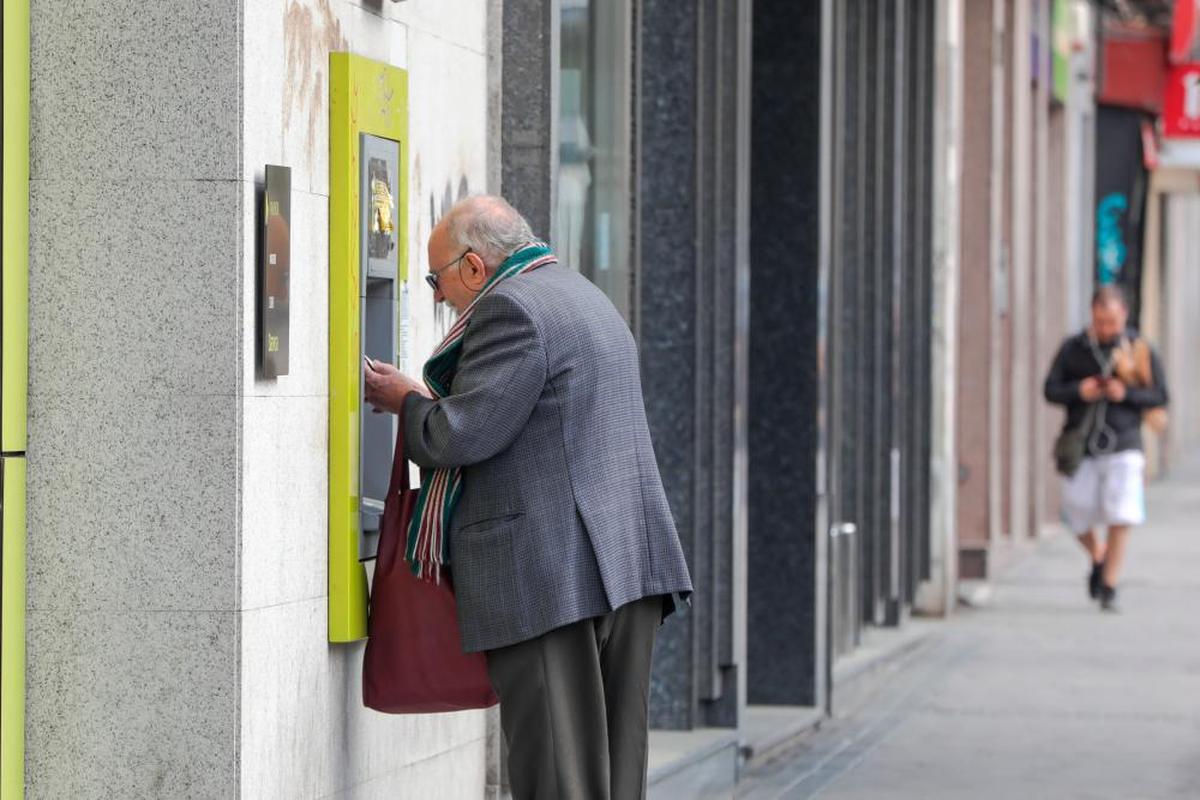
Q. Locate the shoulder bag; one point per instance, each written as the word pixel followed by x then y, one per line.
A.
pixel 414 662
pixel 1071 445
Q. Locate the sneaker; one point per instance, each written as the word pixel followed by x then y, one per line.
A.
pixel 1094 580
pixel 1108 599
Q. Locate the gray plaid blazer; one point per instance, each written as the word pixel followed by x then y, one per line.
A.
pixel 562 515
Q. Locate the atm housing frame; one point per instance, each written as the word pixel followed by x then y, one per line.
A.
pixel 365 97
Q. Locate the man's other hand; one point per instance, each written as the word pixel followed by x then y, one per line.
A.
pixel 1114 390
pixel 385 387
pixel 1091 389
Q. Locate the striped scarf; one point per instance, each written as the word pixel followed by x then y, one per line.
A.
pixel 428 548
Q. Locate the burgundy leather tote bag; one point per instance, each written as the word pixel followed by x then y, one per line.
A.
pixel 414 661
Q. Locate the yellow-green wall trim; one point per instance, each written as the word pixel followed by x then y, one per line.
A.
pixel 15 334
pixel 14 386
pixel 12 634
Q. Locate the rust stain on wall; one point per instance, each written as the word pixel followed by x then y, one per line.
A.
pixel 311 32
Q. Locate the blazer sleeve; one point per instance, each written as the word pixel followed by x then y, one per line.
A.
pixel 1059 388
pixel 1153 396
pixel 501 374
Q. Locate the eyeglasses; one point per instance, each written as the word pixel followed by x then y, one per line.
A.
pixel 432 277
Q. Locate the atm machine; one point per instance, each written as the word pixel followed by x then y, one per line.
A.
pixel 14 363
pixel 368 256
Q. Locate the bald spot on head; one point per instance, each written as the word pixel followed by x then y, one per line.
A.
pixel 487 225
pixel 479 206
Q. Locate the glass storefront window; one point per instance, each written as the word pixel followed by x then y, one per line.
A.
pixel 594 131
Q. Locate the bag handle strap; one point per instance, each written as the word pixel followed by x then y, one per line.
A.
pixel 399 480
pixel 1089 417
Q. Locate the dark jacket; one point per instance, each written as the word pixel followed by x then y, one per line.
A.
pixel 1076 361
pixel 563 515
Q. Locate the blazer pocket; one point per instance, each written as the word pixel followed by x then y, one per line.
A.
pixel 485 579
pixel 490 522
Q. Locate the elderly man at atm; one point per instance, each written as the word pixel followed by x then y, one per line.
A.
pixel 564 553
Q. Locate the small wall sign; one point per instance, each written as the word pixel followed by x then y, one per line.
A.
pixel 275 272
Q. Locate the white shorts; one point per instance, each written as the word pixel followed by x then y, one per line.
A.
pixel 1107 490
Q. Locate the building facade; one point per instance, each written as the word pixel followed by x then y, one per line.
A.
pixel 784 267
pixel 177 547
pixel 847 236
pixel 1028 151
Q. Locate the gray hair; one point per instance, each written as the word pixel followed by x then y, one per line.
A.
pixel 489 226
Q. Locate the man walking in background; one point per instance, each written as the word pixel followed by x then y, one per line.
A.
pixel 1108 378
pixel 531 432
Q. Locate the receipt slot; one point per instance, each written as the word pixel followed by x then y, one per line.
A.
pixel 368 256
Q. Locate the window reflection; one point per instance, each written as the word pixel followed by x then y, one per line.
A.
pixel 594 129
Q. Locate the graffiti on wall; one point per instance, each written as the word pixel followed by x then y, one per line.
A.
pixel 438 206
pixel 1110 237
pixel 311 31
pixel 1122 179
pixel 438 202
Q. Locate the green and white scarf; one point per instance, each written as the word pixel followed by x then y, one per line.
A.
pixel 428 549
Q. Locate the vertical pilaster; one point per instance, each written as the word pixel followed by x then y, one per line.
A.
pixel 668 300
pixel 938 593
pixel 785 608
pixel 973 462
pixel 1020 266
pixel 692 277
pixel 529 110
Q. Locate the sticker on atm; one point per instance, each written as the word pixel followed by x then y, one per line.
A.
pixel 380 240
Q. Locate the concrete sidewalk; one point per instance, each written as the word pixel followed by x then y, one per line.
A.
pixel 1038 694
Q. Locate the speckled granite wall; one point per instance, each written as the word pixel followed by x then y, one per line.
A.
pixel 177 514
pixel 691 261
pixel 133 423
pixel 784 218
pixel 529 110
pixel 667 316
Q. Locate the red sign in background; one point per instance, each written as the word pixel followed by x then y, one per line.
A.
pixel 1184 30
pixel 1135 70
pixel 1181 106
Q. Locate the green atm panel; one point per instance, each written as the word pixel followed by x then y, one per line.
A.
pixel 368 257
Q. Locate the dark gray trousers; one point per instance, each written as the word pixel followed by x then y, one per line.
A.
pixel 573 706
